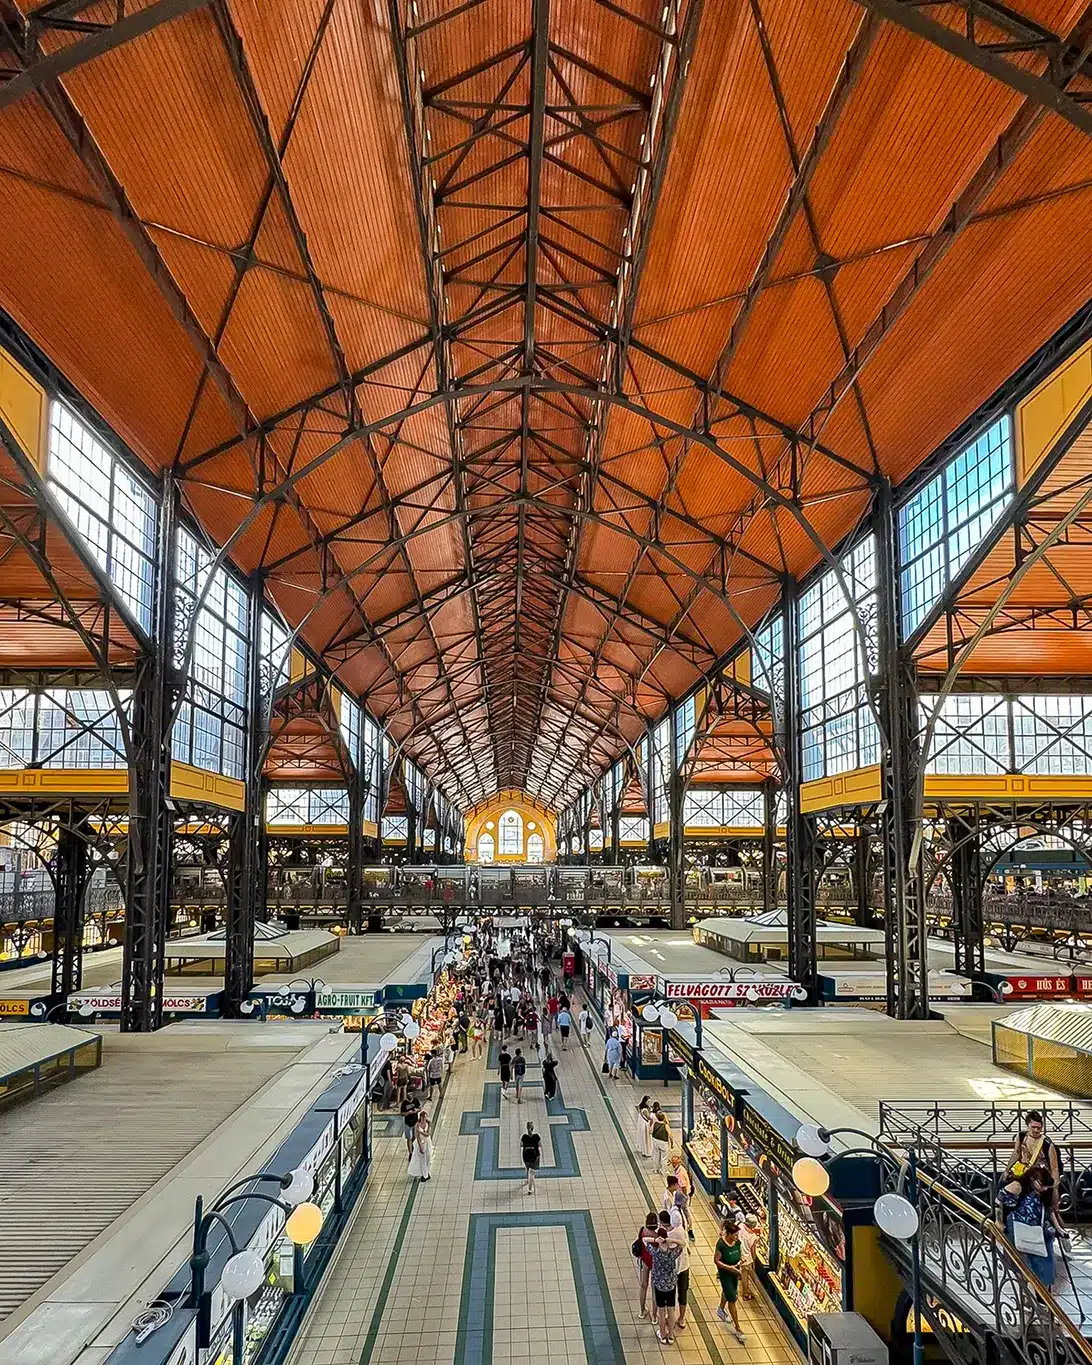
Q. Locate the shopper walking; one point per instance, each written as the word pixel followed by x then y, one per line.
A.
pixel 549 1075
pixel 584 1026
pixel 564 1023
pixel 434 1071
pixel 504 1062
pixel 664 1275
pixel 477 1034
pixel 614 1054
pixel 642 1259
pixel 1031 1220
pixel 410 1114
pixel 727 1258
pixel 531 1144
pixel 748 1236
pixel 420 1162
pixel 643 1126
pixel 661 1139
pixel 519 1070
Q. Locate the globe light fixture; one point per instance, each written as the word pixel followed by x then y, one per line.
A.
pixel 388 1042
pixel 810 1177
pixel 242 1275
pixel 300 1187
pixel 810 1140
pixel 650 1014
pixel 412 1030
pixel 799 993
pixel 304 1224
pixel 753 996
pixel 896 1216
pixel 669 1019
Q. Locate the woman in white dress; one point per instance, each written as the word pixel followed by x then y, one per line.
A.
pixel 420 1161
pixel 644 1127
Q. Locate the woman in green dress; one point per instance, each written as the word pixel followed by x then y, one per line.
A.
pixel 727 1258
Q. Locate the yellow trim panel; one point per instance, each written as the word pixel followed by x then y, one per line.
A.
pixel 195 784
pixel 24 406
pixel 1044 414
pixel 858 787
pixel 64 781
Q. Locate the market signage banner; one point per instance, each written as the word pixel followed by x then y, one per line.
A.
pixel 347 1001
pixel 727 992
pixel 715 1082
pixel 767 1137
pixel 641 983
pixel 10 1008
pixel 109 1002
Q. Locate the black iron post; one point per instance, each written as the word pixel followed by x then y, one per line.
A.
pixel 800 835
pixel 769 844
pixel 862 875
pixel 904 910
pixel 247 873
pixel 148 862
pixel 965 876
pixel 70 878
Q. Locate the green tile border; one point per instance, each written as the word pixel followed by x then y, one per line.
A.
pixel 598 1325
pixel 396 1251
pixel 653 1202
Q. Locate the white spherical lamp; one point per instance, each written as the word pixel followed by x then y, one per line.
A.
pixel 649 1013
pixel 412 1030
pixel 242 1275
pixel 810 1177
pixel 304 1224
pixel 388 1042
pixel 299 1188
pixel 799 993
pixel 669 1018
pixel 896 1216
pixel 811 1141
pixel 753 996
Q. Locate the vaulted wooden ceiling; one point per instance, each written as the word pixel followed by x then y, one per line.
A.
pixel 527 345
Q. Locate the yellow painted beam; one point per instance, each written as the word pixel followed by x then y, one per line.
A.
pixel 1008 787
pixel 64 781
pixel 310 831
pixel 195 784
pixel 1047 411
pixel 859 786
pixel 24 406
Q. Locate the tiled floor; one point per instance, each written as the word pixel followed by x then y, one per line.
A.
pixel 470 1270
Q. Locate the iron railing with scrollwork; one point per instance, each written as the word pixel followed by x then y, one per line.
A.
pixel 980 1299
pixel 910 1120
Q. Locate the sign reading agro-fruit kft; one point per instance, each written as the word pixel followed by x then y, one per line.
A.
pixel 347 1001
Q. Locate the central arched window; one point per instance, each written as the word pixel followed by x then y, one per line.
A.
pixel 511 833
pixel 485 848
pixel 535 848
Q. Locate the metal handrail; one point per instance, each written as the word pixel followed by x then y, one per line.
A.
pixel 976 1273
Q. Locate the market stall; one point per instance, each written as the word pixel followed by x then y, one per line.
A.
pixel 765 938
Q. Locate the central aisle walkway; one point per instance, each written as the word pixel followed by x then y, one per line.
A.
pixel 470 1269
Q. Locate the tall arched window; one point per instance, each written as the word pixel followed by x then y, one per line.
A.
pixel 485 848
pixel 511 833
pixel 535 848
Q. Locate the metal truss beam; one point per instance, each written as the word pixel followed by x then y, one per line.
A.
pixel 998 41
pixel 27 69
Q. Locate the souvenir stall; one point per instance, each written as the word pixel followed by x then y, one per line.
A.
pixel 654 1053
pixel 818 1255
pixel 712 1095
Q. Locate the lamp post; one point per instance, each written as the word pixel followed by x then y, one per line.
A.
pixel 40 1012
pixel 896 1214
pixel 660 1012
pixel 244 1271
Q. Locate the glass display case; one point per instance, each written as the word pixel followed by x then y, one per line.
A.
pixel 703 1141
pixel 807 1276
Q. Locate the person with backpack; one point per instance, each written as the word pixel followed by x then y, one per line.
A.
pixel 642 1258
pixel 664 1274
pixel 519 1070
pixel 1033 1148
pixel 531 1144
pixel 504 1062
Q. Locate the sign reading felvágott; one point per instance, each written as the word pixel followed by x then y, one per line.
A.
pixel 717 992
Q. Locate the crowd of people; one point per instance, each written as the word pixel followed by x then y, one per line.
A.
pixel 661 1254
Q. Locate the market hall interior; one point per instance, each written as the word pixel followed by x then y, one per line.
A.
pixel 544 653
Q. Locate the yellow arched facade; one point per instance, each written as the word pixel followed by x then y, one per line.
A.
pixel 510 838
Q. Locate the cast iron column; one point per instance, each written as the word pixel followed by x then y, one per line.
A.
pixel 148 861
pixel 769 843
pixel 965 875
pixel 862 876
pixel 70 877
pixel 904 912
pixel 799 827
pixel 247 872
